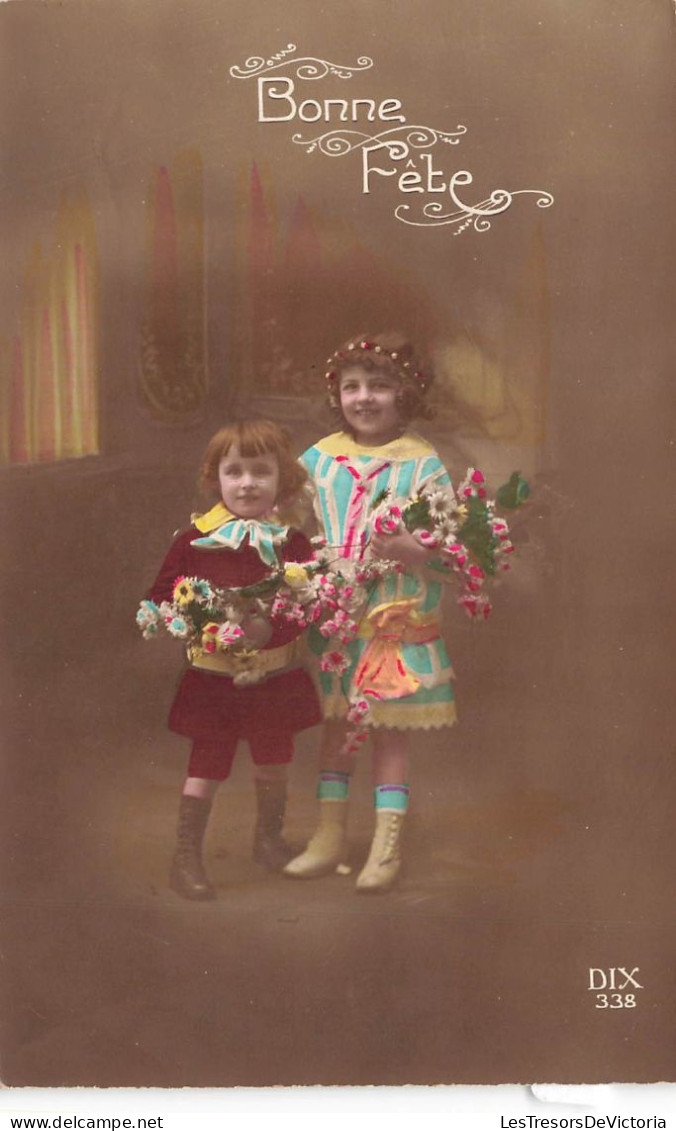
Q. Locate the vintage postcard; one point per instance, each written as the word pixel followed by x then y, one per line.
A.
pixel 433 242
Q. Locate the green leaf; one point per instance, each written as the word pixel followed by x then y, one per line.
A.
pixel 380 497
pixel 513 493
pixel 417 515
pixel 264 588
pixel 478 536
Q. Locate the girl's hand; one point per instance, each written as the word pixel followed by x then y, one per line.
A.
pixel 401 547
pixel 257 630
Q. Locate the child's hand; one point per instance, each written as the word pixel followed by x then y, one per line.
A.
pixel 257 630
pixel 401 547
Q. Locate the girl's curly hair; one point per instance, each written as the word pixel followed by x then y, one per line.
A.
pixel 386 353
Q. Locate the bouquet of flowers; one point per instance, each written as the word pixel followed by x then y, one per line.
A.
pixel 333 594
pixel 302 593
pixel 198 614
pixel 472 541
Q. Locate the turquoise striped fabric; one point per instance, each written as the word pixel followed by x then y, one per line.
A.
pixel 344 492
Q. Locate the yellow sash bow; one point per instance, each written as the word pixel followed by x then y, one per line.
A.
pixel 383 671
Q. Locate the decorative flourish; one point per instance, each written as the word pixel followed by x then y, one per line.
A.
pixel 477 216
pixel 338 143
pixel 307 67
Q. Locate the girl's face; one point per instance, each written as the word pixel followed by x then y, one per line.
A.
pixel 249 484
pixel 368 399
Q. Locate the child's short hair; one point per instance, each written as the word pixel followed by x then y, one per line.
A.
pixel 254 438
pixel 391 354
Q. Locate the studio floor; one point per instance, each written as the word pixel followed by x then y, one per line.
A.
pixel 474 969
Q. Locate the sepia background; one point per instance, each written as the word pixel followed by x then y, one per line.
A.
pixel 168 263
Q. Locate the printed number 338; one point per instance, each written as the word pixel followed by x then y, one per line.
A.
pixel 615 1001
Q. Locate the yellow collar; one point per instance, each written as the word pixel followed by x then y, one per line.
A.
pixel 209 521
pixel 219 515
pixel 408 446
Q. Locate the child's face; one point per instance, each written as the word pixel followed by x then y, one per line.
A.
pixel 249 484
pixel 368 399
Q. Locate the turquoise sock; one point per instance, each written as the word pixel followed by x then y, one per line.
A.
pixel 393 798
pixel 333 786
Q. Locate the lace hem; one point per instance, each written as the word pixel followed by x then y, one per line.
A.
pixel 401 716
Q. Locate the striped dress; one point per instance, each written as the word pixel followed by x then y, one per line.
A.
pixel 399 632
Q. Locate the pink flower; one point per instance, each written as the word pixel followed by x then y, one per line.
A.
pixel 469 604
pixel 477 476
pixel 358 711
pixel 389 522
pixel 427 539
pixel 229 633
pixel 354 740
pixel 334 662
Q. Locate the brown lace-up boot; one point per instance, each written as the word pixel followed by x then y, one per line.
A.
pixel 187 877
pixel 269 847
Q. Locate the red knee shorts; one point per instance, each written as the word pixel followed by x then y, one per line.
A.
pixel 212 758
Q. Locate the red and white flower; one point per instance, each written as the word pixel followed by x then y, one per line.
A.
pixel 335 661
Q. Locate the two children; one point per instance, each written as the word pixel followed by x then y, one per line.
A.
pixel 375 388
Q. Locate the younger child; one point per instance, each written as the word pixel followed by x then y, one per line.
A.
pixel 375 388
pixel 238 543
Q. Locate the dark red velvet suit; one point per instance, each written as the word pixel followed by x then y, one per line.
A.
pixel 208 706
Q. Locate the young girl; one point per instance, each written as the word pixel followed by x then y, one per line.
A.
pixel 375 388
pixel 237 543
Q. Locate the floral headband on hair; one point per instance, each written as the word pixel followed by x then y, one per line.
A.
pixel 405 369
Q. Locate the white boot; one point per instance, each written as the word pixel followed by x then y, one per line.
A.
pixel 326 848
pixel 382 867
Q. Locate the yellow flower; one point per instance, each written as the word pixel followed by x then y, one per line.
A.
pixel 295 575
pixel 183 592
pixel 462 512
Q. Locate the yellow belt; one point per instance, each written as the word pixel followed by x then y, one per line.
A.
pixel 254 663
